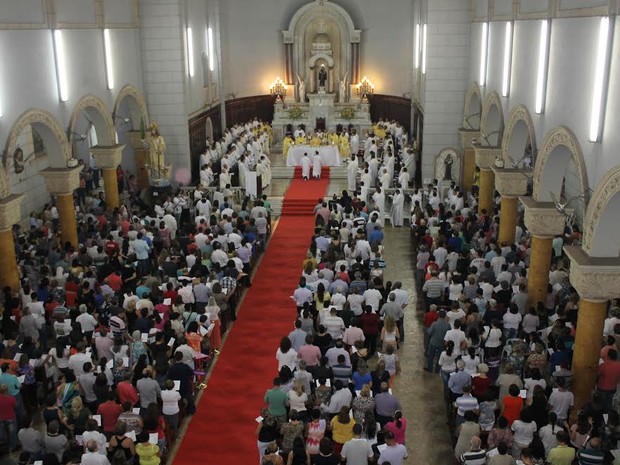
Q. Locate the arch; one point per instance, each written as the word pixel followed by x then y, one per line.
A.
pixel 492 120
pixel 100 116
pixel 600 231
pixel 516 133
pixel 558 148
pixel 136 105
pixel 321 56
pixel 306 13
pixel 50 130
pixel 472 112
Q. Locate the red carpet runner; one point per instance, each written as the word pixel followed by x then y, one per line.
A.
pixel 222 430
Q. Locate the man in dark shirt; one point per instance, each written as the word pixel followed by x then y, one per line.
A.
pixel 180 371
pixel 436 334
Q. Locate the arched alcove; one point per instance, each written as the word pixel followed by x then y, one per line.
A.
pixel 130 104
pixel 322 28
pixel 600 229
pixel 49 129
pixel 441 167
pixel 559 147
pixel 518 135
pixel 95 113
pixel 472 111
pixel 492 121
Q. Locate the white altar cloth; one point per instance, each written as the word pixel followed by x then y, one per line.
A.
pixel 330 155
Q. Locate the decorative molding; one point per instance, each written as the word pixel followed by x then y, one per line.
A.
pixel 517 114
pixel 596 279
pixel 486 156
pixel 61 180
pixel 106 131
pixel 474 90
pixel 542 219
pixel 605 191
pixel 10 210
pixel 556 137
pixel 335 12
pixel 492 100
pixel 50 130
pixel 511 182
pixel 108 157
pixel 133 93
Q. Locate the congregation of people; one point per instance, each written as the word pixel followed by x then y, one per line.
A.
pixel 105 345
pixel 505 362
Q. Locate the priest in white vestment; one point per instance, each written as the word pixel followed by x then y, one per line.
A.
pixel 224 178
pixel 306 164
pixel 398 202
pixel 316 165
pixel 354 142
pixel 403 178
pixel 352 173
pixel 365 181
pixel 379 200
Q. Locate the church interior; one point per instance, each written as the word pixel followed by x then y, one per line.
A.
pixel 508 108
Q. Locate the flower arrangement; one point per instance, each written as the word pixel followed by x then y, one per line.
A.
pixel 295 112
pixel 347 113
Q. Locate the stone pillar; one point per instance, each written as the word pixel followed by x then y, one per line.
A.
pixel 597 280
pixel 485 160
pixel 141 156
pixel 61 182
pixel 10 214
pixel 108 158
pixel 544 222
pixel 289 75
pixel 469 156
pixel 511 184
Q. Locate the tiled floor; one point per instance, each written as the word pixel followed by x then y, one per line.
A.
pixel 420 393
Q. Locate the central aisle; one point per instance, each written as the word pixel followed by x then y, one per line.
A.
pixel 222 430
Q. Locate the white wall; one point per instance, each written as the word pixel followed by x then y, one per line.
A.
pixel 446 79
pixel 253 50
pixel 569 90
pixel 28 80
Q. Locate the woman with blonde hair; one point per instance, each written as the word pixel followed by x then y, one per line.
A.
pixel 362 404
pixel 297 399
pixel 77 416
pixel 389 334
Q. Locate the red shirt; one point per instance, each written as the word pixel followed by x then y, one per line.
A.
pixel 370 323
pixel 512 408
pixel 127 393
pixel 109 411
pixel 7 407
pixel 429 318
pixel 111 247
pixel 115 282
pixel 608 375
pixel 71 290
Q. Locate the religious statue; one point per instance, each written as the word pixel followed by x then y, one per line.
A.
pixel 156 145
pixel 322 76
pixel 301 86
pixel 448 161
pixel 343 89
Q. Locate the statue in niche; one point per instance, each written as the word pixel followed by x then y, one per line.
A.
pixel 156 145
pixel 301 87
pixel 343 89
pixel 322 76
pixel 448 161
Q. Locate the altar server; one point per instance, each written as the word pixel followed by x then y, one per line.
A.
pixel 306 163
pixel 316 165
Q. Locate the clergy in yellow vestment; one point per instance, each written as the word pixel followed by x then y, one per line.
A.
pixel 315 141
pixel 345 148
pixel 286 144
pixel 301 140
pixel 334 138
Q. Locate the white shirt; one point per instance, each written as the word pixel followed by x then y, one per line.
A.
pixel 372 297
pixel 94 458
pixel 289 359
pixel 87 322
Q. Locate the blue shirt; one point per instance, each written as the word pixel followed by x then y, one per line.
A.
pixel 141 248
pixel 12 383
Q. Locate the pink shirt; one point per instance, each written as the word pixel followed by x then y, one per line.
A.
pixel 310 354
pixel 399 433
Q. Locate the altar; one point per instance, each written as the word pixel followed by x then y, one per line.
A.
pixel 322 73
pixel 330 155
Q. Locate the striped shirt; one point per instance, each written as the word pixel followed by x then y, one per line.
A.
pixel 477 457
pixel 466 403
pixel 590 456
pixel 434 288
